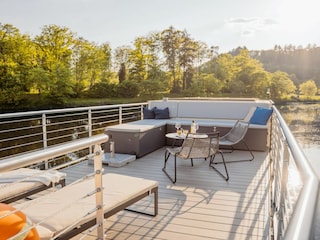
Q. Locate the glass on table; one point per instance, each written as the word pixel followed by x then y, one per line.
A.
pixel 185 132
pixel 196 126
pixel 179 131
pixel 177 125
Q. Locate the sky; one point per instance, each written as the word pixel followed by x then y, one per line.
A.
pixel 228 24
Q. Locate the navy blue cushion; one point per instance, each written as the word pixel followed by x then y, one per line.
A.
pixel 148 113
pixel 161 113
pixel 261 116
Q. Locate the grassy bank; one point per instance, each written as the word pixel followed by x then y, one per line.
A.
pixel 32 103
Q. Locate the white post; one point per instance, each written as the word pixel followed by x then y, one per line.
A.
pixel 120 115
pixel 44 136
pixel 90 127
pixel 111 149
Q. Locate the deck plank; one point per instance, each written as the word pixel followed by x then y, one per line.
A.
pixel 201 205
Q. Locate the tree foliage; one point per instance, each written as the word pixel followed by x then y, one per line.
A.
pixel 54 49
pixel 17 57
pixel 301 63
pixel 281 85
pixel 91 64
pixel 308 88
pixel 57 64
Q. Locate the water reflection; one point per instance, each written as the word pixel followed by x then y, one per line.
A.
pixel 304 121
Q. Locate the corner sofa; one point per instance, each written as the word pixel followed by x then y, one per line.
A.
pixel 148 134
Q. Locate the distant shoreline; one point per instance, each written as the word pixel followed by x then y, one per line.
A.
pixel 73 103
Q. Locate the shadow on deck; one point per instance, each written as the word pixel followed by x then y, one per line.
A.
pixel 201 205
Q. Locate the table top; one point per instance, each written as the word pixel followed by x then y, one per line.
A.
pixel 183 136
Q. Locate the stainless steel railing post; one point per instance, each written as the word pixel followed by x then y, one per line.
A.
pixel 44 136
pixel 99 189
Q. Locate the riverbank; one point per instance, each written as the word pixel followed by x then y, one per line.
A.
pixel 33 104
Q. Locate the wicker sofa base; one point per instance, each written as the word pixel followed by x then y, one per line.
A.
pixel 145 136
pixel 137 142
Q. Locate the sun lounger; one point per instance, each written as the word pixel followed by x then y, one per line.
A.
pixel 24 182
pixel 69 210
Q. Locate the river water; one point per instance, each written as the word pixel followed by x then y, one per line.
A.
pixel 304 121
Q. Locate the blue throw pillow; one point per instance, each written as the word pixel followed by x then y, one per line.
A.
pixel 161 113
pixel 148 113
pixel 261 116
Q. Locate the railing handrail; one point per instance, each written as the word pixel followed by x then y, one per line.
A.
pixel 63 110
pixel 50 152
pixel 301 223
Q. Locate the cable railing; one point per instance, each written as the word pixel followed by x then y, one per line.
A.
pixel 294 186
pixel 28 131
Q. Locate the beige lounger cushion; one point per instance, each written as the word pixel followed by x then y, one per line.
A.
pixel 64 202
pixel 24 179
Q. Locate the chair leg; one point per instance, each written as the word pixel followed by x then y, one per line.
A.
pixel 252 156
pixel 226 176
pixel 241 160
pixel 166 157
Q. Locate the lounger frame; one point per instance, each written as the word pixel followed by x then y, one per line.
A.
pixel 79 229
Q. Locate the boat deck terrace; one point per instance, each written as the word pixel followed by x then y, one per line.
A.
pixel 200 205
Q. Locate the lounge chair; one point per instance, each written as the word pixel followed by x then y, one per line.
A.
pixel 24 182
pixel 234 136
pixel 71 210
pixel 195 146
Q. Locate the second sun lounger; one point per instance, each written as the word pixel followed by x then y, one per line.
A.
pixel 69 211
pixel 24 182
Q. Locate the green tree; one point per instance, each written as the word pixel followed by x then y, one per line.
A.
pixel 281 85
pixel 106 62
pixel 138 60
pixel 91 65
pixel 260 83
pixel 81 58
pixel 308 88
pixel 153 58
pixel 189 51
pixel 171 43
pixel 122 74
pixel 54 56
pixel 121 61
pixel 17 54
pixel 224 70
pixel 40 79
pixel 103 90
pixel 62 88
pixel 182 54
pixel 248 79
pixel 286 58
pixel 212 85
pixel 151 87
pixel 128 89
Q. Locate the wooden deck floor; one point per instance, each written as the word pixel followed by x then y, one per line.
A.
pixel 201 205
